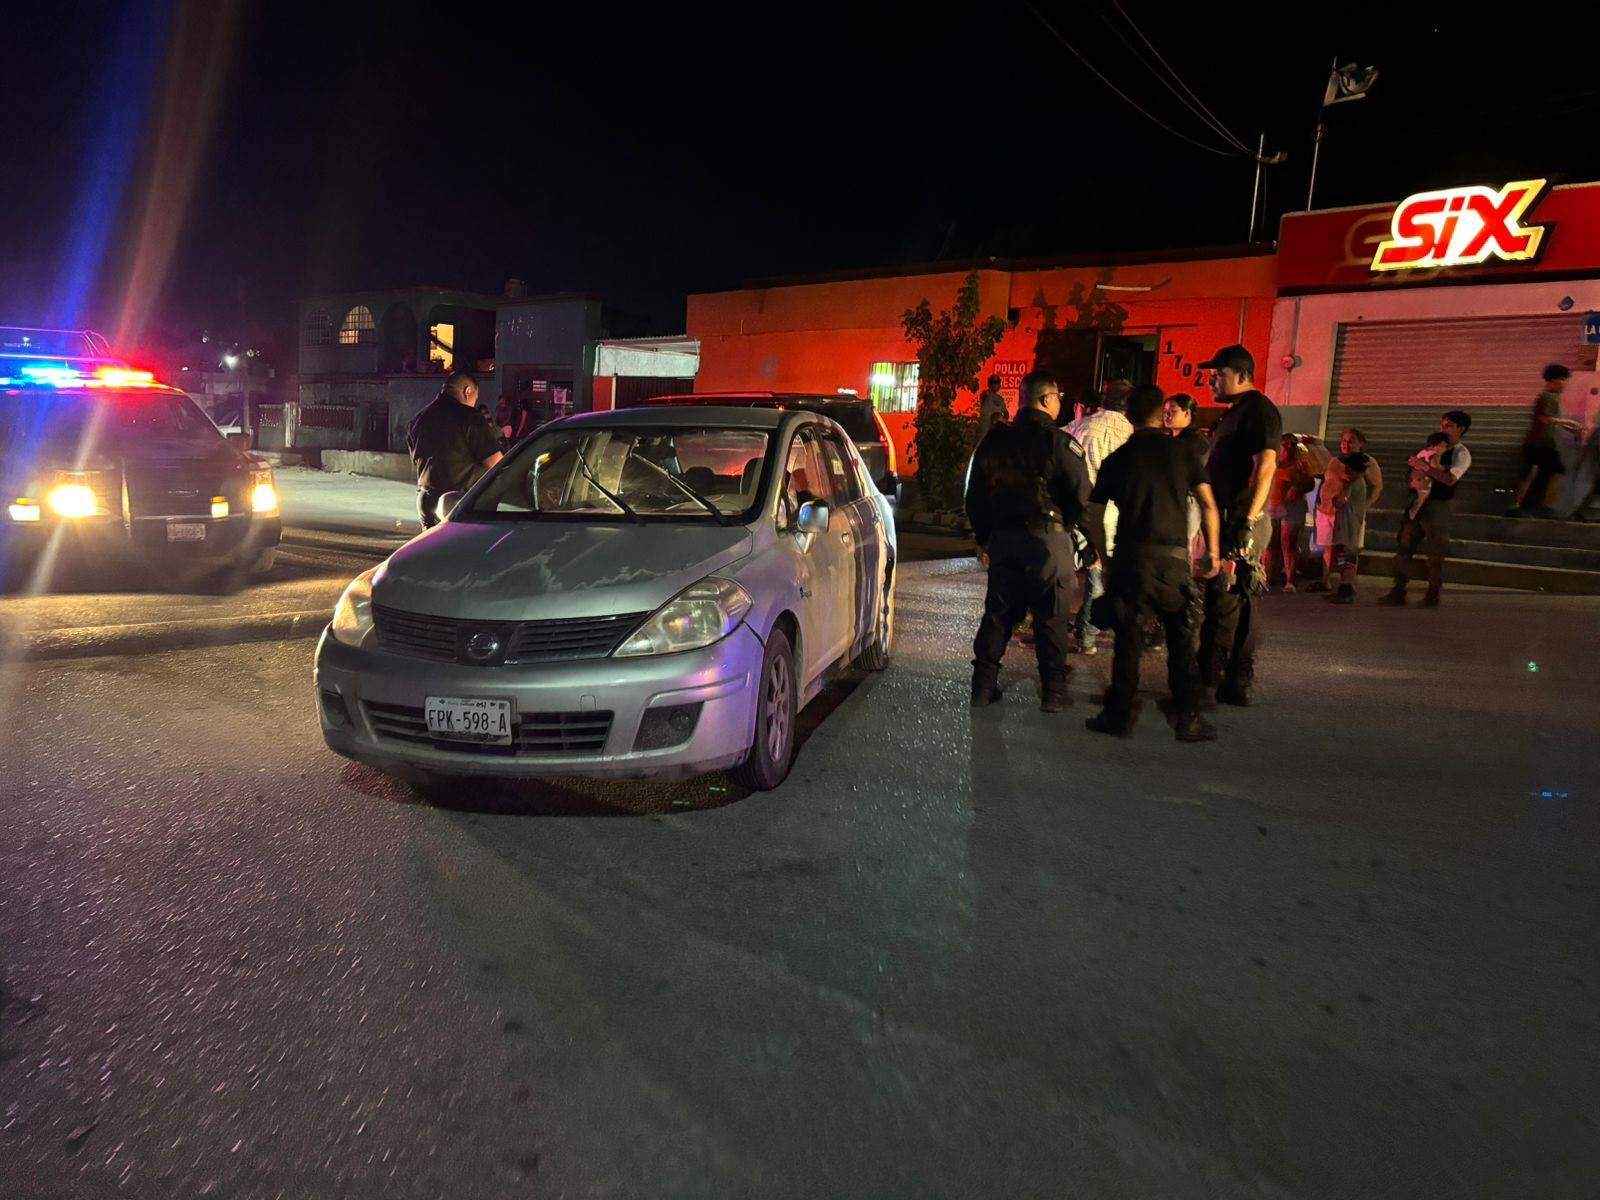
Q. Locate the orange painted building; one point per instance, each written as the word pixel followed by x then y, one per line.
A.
pixel 1147 318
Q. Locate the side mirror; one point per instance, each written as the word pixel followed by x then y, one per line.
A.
pixel 239 441
pixel 448 502
pixel 813 517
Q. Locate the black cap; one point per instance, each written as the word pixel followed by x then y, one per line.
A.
pixel 1235 357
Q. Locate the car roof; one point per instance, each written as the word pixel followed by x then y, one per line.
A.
pixel 716 416
pixel 734 399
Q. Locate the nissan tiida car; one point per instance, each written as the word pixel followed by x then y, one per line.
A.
pixel 642 593
pixel 102 466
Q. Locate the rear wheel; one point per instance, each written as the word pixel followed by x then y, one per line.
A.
pixel 776 710
pixel 876 656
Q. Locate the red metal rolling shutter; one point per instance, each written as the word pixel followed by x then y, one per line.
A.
pixel 1456 363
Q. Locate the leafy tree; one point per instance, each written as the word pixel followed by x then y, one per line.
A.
pixel 952 347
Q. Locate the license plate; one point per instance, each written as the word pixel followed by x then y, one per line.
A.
pixel 186 531
pixel 469 720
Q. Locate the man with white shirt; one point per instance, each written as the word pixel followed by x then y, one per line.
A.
pixel 1427 534
pixel 1100 434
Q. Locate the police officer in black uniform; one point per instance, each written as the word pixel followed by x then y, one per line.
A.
pixel 1028 484
pixel 1243 460
pixel 451 444
pixel 1150 479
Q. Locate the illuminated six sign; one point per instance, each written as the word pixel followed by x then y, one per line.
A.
pixel 1462 226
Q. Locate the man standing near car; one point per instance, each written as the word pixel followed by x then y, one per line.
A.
pixel 1027 488
pixel 1241 467
pixel 1151 480
pixel 991 409
pixel 1100 434
pixel 451 444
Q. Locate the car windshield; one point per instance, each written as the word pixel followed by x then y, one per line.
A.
pixel 124 423
pixel 653 472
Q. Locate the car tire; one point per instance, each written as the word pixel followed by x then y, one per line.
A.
pixel 262 567
pixel 876 656
pixel 777 710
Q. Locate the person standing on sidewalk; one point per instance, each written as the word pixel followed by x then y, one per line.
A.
pixel 1027 488
pixel 1425 534
pixel 1241 467
pixel 1151 480
pixel 1100 435
pixel 451 444
pixel 992 409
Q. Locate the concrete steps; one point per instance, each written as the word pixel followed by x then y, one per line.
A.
pixel 1515 552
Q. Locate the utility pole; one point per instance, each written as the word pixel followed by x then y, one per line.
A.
pixel 1255 194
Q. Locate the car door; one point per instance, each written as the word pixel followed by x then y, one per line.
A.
pixel 823 559
pixel 866 539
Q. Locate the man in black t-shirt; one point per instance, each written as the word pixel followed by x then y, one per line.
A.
pixel 1243 461
pixel 1150 479
pixel 451 444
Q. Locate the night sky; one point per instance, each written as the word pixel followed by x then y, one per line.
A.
pixel 644 155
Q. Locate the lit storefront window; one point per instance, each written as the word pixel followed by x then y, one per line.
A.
pixel 894 386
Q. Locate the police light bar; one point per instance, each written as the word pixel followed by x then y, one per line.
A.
pixel 71 373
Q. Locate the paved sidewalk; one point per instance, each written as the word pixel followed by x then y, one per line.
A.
pixel 328 501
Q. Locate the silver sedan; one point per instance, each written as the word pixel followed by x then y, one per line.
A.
pixel 641 593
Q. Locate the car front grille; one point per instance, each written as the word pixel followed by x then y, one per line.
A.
pixel 537 735
pixel 421 635
pixel 172 492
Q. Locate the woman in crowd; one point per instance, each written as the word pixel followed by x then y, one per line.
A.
pixel 1351 485
pixel 1299 465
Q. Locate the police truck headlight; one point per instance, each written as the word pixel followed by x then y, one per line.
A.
pixel 72 500
pixel 701 614
pixel 352 616
pixel 263 496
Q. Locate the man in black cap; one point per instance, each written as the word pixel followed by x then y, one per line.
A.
pixel 451 444
pixel 1241 466
pixel 1027 487
pixel 1150 480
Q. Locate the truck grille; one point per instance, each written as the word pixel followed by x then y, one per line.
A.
pixel 442 639
pixel 536 735
pixel 167 492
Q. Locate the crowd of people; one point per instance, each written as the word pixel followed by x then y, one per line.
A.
pixel 1129 519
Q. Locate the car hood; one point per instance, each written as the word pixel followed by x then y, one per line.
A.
pixel 540 570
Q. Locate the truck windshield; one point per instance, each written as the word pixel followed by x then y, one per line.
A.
pixel 122 423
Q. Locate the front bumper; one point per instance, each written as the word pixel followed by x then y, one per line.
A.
pixel 368 701
pixel 145 540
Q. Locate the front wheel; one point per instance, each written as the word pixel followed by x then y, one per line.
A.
pixel 776 709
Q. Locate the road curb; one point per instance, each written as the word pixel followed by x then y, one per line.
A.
pixel 156 636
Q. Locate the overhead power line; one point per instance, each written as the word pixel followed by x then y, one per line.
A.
pixel 1126 99
pixel 1186 94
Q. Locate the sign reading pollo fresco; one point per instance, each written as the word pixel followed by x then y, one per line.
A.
pixel 1460 227
pixel 1522 230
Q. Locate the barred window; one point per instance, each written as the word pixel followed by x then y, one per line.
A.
pixel 318 329
pixel 894 386
pixel 358 328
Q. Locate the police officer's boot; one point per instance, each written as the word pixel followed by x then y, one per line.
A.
pixel 1054 699
pixel 985 688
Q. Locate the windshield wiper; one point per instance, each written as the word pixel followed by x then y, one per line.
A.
pixel 722 517
pixel 588 473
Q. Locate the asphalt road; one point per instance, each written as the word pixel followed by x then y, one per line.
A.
pixel 1348 951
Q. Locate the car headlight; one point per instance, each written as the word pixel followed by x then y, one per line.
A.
pixel 352 616
pixel 72 500
pixel 702 613
pixel 263 496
